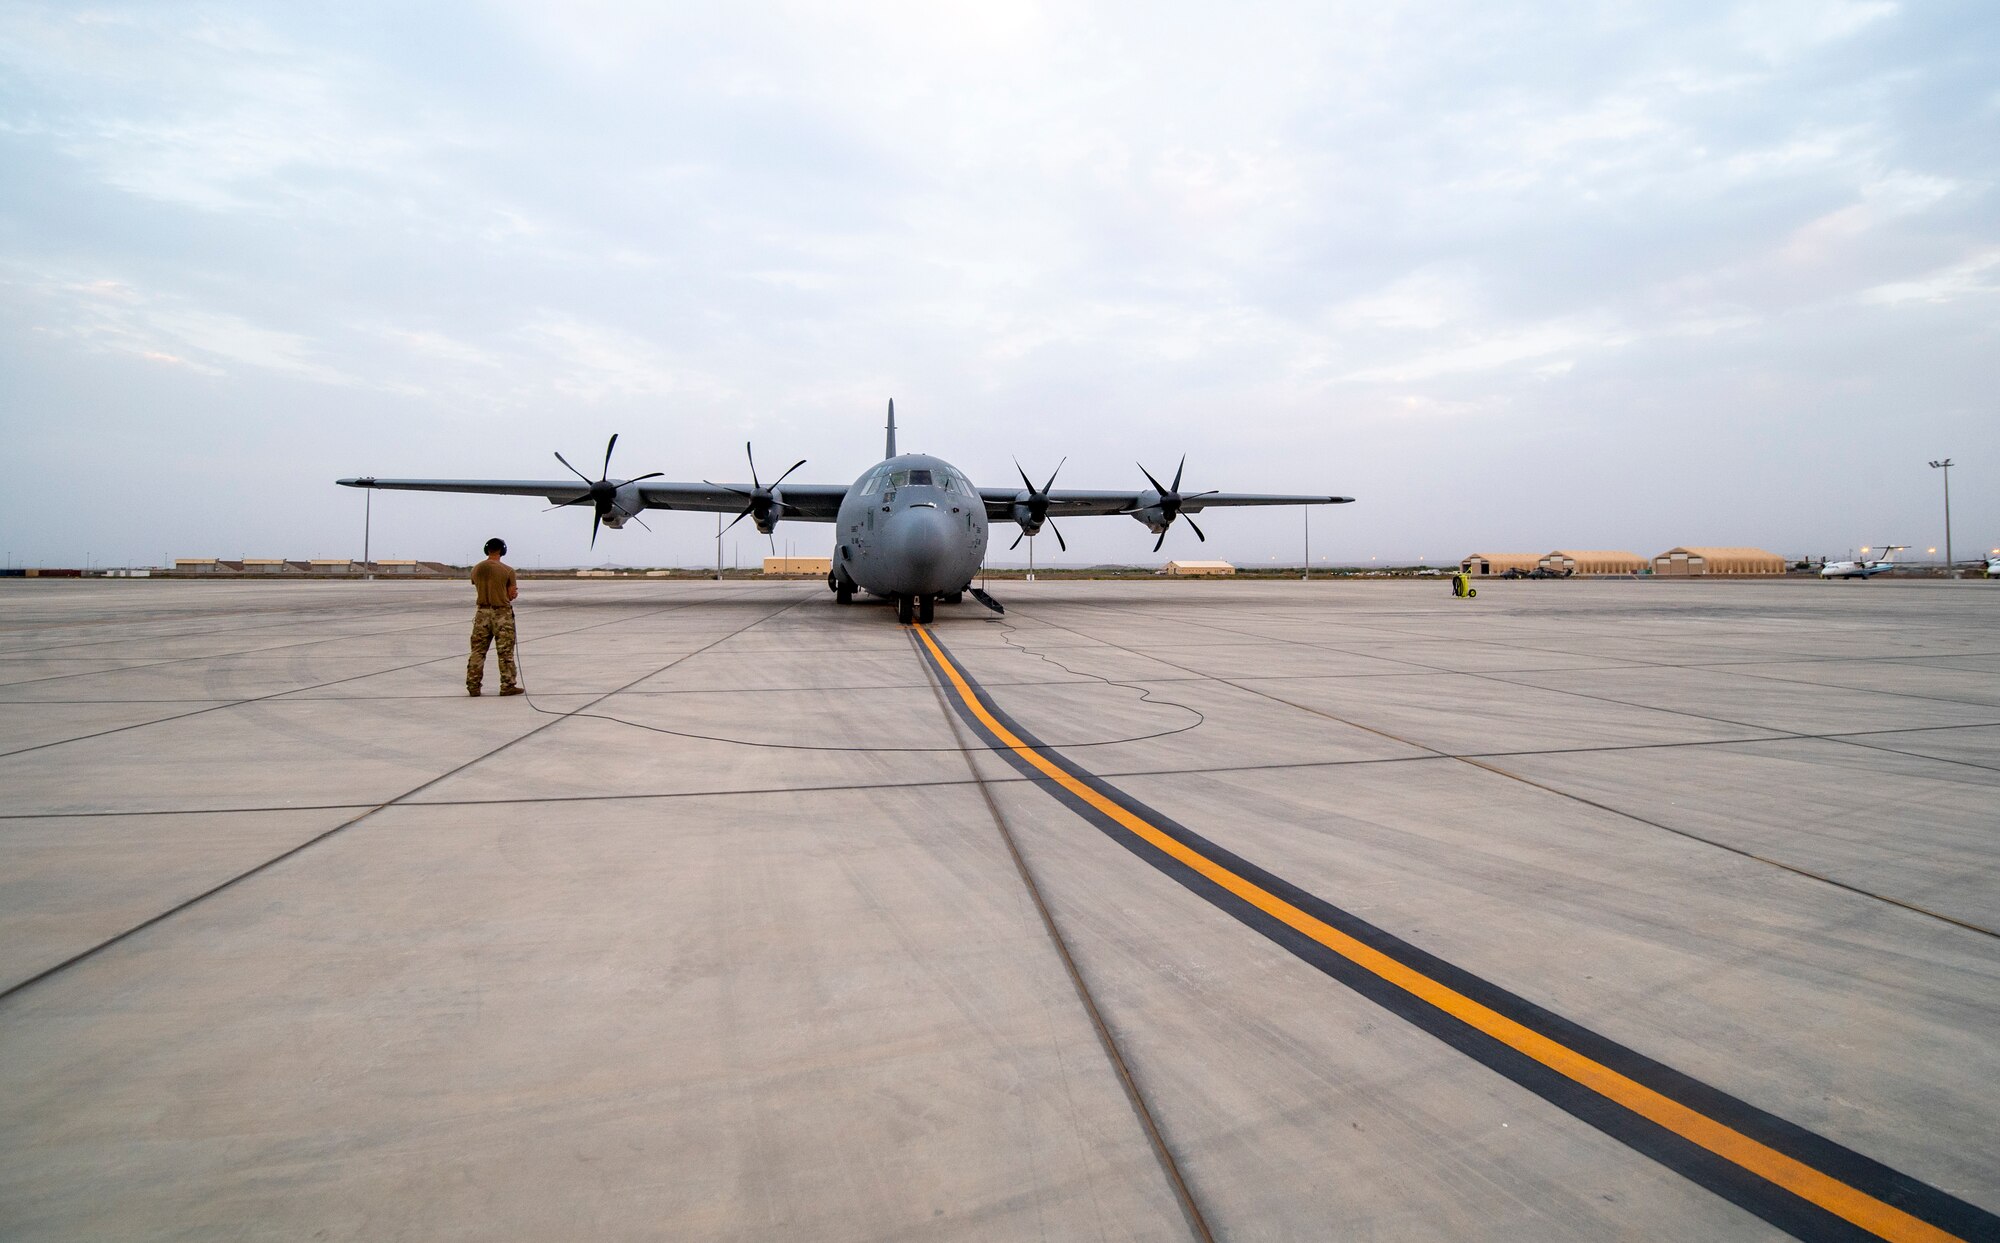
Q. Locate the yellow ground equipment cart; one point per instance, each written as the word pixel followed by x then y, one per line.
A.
pixel 1461 586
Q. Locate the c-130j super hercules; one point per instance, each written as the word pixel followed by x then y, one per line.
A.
pixel 912 529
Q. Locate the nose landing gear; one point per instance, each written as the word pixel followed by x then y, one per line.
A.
pixel 913 609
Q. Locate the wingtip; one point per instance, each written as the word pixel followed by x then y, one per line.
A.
pixel 361 481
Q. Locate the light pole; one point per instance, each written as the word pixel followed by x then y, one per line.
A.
pixel 367 529
pixel 1945 466
pixel 1306 572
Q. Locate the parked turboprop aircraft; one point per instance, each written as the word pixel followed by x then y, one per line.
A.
pixel 912 528
pixel 1862 569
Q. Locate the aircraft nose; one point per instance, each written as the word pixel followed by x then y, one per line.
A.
pixel 920 541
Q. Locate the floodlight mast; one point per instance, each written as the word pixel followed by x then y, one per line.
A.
pixel 1945 464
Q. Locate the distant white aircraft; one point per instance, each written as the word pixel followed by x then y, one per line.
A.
pixel 1993 566
pixel 1862 569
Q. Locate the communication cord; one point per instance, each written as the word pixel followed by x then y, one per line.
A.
pixel 1145 696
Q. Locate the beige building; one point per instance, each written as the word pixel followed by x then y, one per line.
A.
pixel 1196 569
pixel 798 565
pixel 270 565
pixel 206 565
pixel 1592 561
pixel 1688 561
pixel 1499 562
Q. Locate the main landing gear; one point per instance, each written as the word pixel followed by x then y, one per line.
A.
pixel 842 589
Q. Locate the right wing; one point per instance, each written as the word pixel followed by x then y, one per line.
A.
pixel 804 502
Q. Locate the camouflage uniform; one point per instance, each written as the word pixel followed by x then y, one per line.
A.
pixel 492 627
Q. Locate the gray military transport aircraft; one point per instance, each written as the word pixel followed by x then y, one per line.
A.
pixel 912 529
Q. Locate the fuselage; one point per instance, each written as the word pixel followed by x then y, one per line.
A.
pixel 912 525
pixel 1854 569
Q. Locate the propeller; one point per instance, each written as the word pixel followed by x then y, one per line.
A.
pixel 1171 500
pixel 603 493
pixel 1037 506
pixel 763 504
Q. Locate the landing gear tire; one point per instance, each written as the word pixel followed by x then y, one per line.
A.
pixel 906 609
pixel 843 593
pixel 927 609
pixel 953 597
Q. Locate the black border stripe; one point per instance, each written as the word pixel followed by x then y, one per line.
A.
pixel 1774 1204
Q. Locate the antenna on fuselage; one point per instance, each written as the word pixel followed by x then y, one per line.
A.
pixel 889 451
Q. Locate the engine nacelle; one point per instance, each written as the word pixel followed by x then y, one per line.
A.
pixel 1024 515
pixel 1152 517
pixel 625 502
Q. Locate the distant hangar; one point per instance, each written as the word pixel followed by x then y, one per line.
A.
pixel 1675 562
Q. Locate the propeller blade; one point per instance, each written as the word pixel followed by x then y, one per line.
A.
pixel 596 521
pixel 1194 495
pixel 1024 477
pixel 1059 539
pixel 1052 477
pixel 1017 540
pixel 726 487
pixel 753 466
pixel 733 521
pixel 1159 541
pixel 641 521
pixel 1177 472
pixel 609 445
pixel 1197 530
pixel 773 537
pixel 781 478
pixel 566 504
pixel 655 475
pixel 573 470
pixel 1149 479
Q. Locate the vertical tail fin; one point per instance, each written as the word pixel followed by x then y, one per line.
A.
pixel 890 450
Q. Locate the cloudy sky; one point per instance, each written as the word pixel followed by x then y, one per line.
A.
pixel 1617 275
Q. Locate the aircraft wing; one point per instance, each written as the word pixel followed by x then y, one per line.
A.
pixel 1066 503
pixel 804 502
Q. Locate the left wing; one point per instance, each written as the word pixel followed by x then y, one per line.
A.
pixel 1068 502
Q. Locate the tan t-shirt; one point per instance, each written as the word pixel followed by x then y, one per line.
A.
pixel 492 580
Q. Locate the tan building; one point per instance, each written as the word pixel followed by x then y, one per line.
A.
pixel 1499 562
pixel 332 565
pixel 269 565
pixel 1688 561
pixel 798 565
pixel 1592 561
pixel 396 567
pixel 1197 569
pixel 206 566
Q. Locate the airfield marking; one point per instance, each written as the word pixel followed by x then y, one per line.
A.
pixel 1758 1161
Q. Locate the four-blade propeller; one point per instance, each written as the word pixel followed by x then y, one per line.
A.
pixel 763 505
pixel 1171 500
pixel 1037 507
pixel 603 494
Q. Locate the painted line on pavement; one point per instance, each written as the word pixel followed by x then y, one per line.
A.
pixel 1793 1178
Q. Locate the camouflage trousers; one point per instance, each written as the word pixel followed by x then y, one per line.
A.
pixel 492 627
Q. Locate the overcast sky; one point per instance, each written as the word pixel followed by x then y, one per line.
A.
pixel 1600 275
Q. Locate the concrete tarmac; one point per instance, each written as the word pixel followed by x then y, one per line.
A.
pixel 718 933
